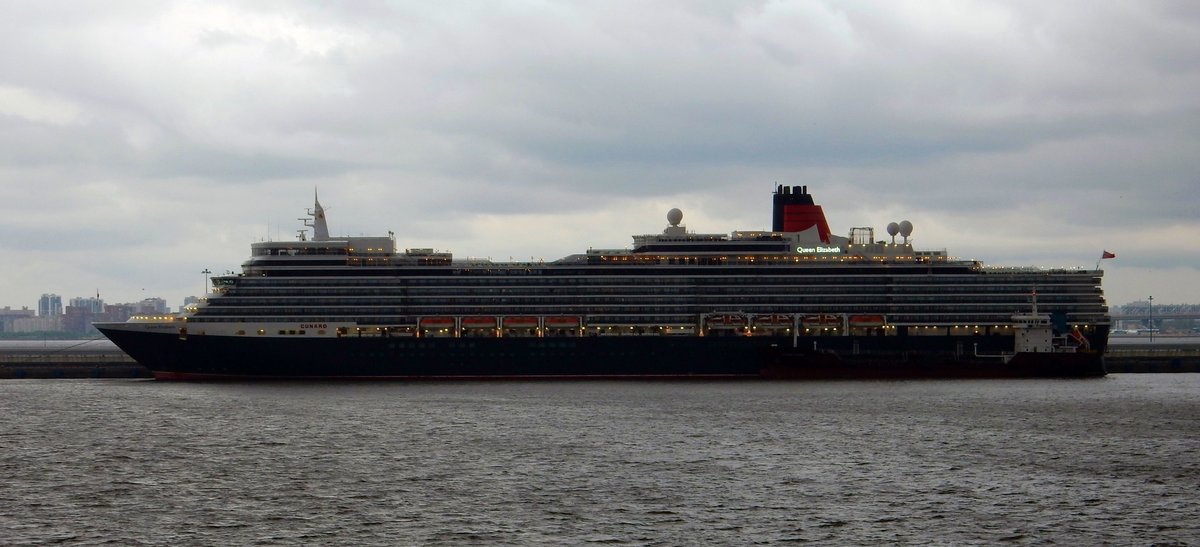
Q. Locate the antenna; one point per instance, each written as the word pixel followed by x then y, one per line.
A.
pixel 206 272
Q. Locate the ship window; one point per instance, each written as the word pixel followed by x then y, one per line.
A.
pixel 282 332
pixel 262 331
pixel 241 332
pixel 300 332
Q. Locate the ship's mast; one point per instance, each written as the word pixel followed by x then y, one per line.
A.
pixel 320 228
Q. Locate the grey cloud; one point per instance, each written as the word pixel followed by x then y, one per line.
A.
pixel 1082 116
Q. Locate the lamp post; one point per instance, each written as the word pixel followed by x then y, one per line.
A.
pixel 1151 314
pixel 206 271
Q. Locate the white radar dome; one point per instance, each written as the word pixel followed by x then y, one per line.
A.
pixel 674 217
pixel 893 229
pixel 906 228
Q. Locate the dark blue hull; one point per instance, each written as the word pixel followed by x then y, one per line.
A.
pixel 221 357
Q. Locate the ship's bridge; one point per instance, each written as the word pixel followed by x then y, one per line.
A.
pixel 378 246
pixel 299 248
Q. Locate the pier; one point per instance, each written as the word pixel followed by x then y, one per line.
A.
pixel 66 359
pixel 1163 354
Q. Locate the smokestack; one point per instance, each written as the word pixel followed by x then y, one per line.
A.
pixel 796 212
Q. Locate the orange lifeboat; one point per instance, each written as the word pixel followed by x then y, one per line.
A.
pixel 479 322
pixel 867 321
pixel 436 326
pixel 562 322
pixel 518 322
pixel 437 322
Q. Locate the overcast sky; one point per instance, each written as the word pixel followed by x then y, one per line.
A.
pixel 143 142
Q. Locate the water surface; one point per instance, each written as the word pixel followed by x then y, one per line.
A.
pixel 1069 462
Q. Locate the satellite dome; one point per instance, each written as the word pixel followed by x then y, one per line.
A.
pixel 906 228
pixel 893 229
pixel 674 216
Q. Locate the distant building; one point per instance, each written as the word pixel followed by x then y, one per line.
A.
pixel 151 306
pixel 50 305
pixel 117 313
pixel 41 323
pixel 77 319
pixel 8 315
pixel 93 304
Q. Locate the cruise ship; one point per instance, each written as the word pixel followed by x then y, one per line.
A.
pixel 797 301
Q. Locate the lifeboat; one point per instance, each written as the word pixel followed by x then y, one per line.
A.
pixel 436 326
pixel 726 321
pixel 822 321
pixel 561 322
pixel 479 322
pixel 867 321
pixel 776 320
pixel 481 326
pixel 437 322
pixel 518 322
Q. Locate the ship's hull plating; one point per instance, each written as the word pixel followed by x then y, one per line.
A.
pixel 224 357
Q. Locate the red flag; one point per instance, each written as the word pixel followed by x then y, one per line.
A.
pixel 1108 255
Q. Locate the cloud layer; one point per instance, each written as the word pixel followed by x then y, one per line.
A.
pixel 143 143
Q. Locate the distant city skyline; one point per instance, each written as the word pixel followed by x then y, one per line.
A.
pixel 77 317
pixel 94 303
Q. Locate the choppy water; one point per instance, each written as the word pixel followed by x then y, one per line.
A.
pixel 1081 462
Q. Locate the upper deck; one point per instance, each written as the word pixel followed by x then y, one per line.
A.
pixel 800 237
